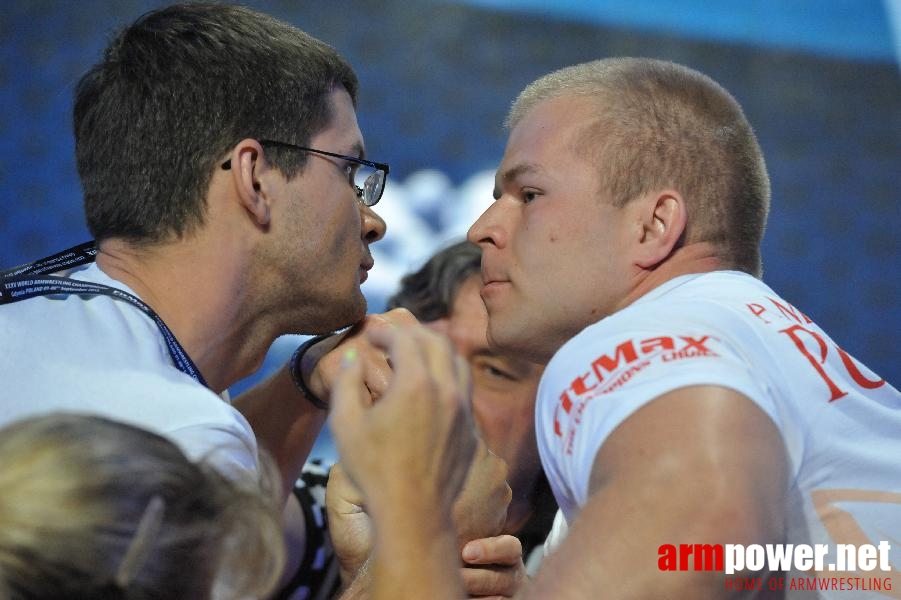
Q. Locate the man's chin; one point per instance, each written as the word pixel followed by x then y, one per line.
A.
pixel 499 341
pixel 515 341
pixel 339 315
pixel 352 313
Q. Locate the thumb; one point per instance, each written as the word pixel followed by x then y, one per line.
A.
pixel 341 493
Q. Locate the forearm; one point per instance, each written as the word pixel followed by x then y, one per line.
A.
pixel 416 552
pixel 359 588
pixel 408 454
pixel 619 556
pixel 285 423
pixel 702 465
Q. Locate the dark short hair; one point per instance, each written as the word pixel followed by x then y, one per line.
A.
pixel 172 95
pixel 429 292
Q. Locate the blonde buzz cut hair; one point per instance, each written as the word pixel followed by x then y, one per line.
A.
pixel 663 125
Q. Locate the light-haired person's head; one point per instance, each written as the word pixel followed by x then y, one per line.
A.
pixel 92 508
pixel 662 125
pixel 174 92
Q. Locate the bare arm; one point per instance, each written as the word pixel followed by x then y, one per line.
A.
pixel 286 423
pixel 494 569
pixel 409 454
pixel 698 465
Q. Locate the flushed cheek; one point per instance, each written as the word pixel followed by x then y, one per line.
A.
pixel 348 239
pixel 494 409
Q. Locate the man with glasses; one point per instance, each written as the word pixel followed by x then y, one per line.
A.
pixel 230 202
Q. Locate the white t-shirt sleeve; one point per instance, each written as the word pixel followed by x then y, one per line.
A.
pixel 598 380
pixel 556 535
pixel 231 451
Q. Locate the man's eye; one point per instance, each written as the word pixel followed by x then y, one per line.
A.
pixel 497 373
pixel 529 195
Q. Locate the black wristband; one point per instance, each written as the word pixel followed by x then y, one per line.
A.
pixel 294 367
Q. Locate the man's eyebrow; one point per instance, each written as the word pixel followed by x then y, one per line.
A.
pixel 515 172
pixel 486 351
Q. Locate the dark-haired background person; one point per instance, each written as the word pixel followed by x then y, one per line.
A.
pixel 684 401
pixel 444 296
pixel 93 508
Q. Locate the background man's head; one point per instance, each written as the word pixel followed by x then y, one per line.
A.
pixel 444 295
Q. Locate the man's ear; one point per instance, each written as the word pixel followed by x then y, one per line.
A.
pixel 663 219
pixel 248 165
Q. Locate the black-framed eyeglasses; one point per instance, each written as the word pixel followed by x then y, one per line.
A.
pixel 368 177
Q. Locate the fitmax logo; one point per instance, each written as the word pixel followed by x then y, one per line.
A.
pixel 609 372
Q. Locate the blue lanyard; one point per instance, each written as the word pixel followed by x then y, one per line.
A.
pixel 28 281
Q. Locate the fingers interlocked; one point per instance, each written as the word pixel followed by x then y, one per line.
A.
pixel 419 434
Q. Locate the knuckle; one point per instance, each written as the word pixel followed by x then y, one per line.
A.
pixel 399 315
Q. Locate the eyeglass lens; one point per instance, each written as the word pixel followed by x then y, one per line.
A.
pixel 371 181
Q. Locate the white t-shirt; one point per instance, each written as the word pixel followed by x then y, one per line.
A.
pixel 841 422
pixel 97 355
